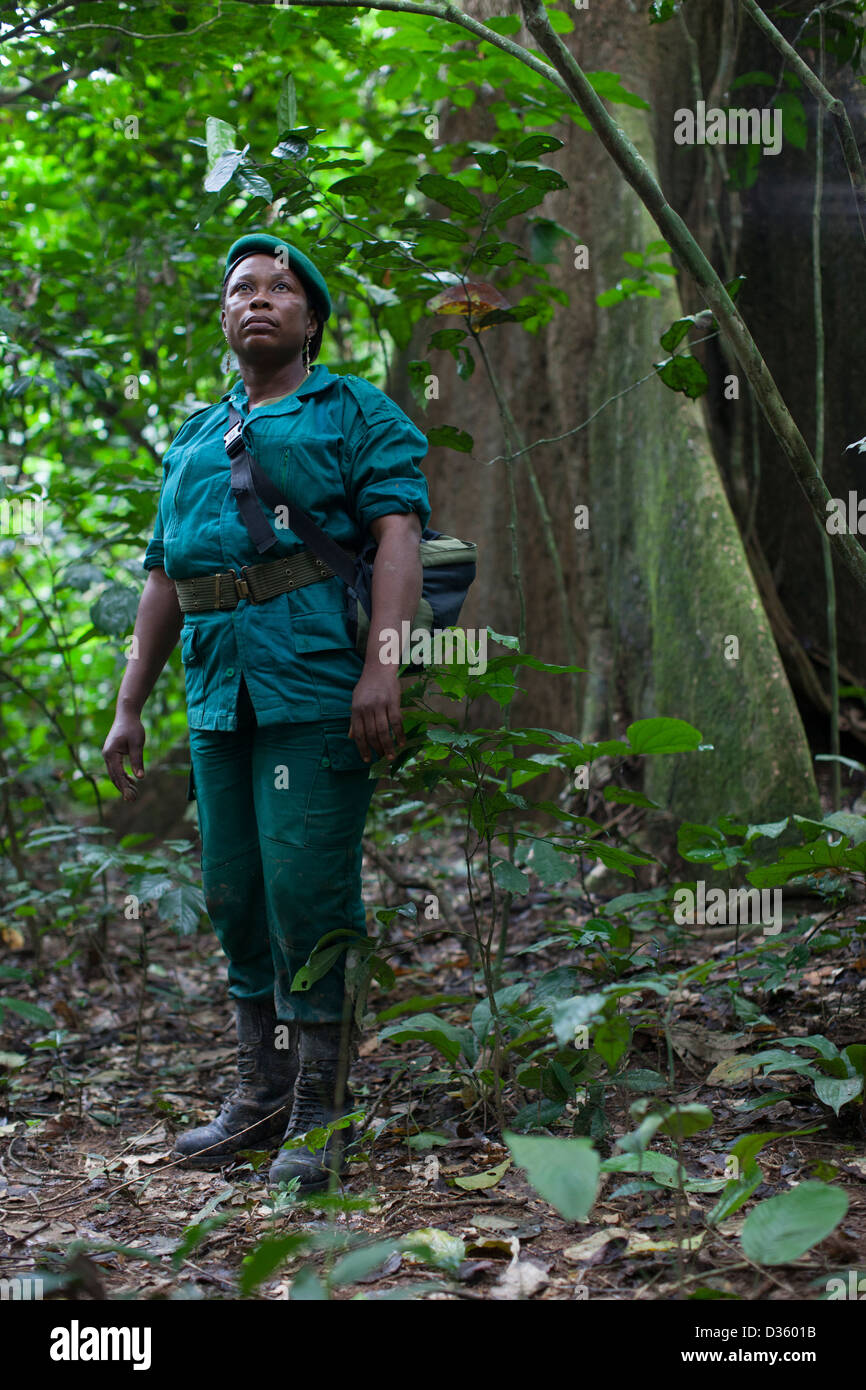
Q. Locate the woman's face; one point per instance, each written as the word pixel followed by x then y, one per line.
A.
pixel 266 316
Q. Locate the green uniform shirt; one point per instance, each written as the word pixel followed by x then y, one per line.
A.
pixel 345 452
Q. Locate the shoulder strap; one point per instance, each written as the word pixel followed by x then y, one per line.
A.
pixel 250 485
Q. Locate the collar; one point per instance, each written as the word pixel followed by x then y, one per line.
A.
pixel 320 379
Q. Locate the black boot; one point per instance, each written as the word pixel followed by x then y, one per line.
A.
pixel 267 1078
pixel 321 1095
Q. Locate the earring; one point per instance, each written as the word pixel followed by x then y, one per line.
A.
pixel 305 356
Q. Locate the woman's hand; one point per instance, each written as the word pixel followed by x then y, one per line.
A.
pixel 157 627
pixel 397 581
pixel 376 712
pixel 125 740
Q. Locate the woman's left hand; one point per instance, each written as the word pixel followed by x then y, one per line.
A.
pixel 377 723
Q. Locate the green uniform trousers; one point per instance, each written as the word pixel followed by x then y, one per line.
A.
pixel 281 813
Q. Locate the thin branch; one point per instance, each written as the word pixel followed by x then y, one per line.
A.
pixel 836 108
pixel 133 34
pixel 637 173
pixel 555 439
pixel 37 18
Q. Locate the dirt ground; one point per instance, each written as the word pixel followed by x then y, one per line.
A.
pixel 87 1139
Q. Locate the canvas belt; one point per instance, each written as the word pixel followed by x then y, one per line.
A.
pixel 257 583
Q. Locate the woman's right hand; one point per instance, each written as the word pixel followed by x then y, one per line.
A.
pixel 157 628
pixel 125 740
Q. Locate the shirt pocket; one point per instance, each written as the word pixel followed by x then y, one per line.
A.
pixel 321 632
pixel 174 483
pixel 189 654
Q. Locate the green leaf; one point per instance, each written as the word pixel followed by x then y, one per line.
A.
pixel 537 1115
pixel 291 149
pixel 445 1037
pixel 255 185
pixel 220 138
pixel 642 1079
pixel 81 577
pixel 307 1286
pixel 182 908
pixel 267 1257
pixel 354 185
pixel 626 797
pixel 451 193
pixel 548 864
pixel 662 736
pixel 662 10
pixel 823 1046
pixel 24 1009
pixel 785 1227
pixel 318 965
pixel 509 877
pixel 837 1091
pixel 434 1247
pixel 494 163
pixel 735 1194
pixel 534 145
pixel 222 171
pixel 359 1263
pixel 611 1039
pixel 683 373
pixel 673 336
pixel 567 1015
pixel 449 437
pixel 856 1056
pixel 287 107
pixel 505 998
pixel 609 86
pixel 662 1167
pixel 794 125
pixel 537 176
pixel 849 824
pixel 478 1181
pixel 115 609
pixel 514 205
pixel 682 1121
pixel 564 1172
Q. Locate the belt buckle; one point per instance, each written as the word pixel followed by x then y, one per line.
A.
pixel 242 588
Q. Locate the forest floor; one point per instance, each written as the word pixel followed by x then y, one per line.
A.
pixel 86 1147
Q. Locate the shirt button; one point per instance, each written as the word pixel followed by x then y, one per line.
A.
pixel 326 762
pixel 230 671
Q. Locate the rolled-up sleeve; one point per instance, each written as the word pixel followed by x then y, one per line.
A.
pixel 154 556
pixel 383 476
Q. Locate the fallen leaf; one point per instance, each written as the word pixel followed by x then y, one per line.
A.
pixel 639 1244
pixel 732 1070
pixel 489 1178
pixel 521 1279
pixel 431 1246
pixel 691 1040
pixel 494 1246
pixel 594 1249
pixel 489 1221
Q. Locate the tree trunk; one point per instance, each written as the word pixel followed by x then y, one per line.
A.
pixel 667 615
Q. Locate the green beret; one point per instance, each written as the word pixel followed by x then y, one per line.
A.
pixel 258 243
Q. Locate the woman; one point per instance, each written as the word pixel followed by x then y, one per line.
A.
pixel 284 715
